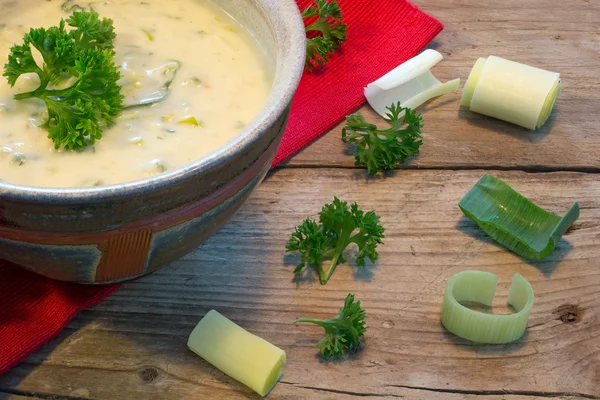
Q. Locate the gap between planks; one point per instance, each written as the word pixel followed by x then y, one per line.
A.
pixel 13 394
pixel 527 169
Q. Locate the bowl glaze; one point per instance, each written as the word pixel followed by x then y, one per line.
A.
pixel 119 232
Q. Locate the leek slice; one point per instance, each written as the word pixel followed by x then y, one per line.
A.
pixel 143 86
pixel 511 91
pixel 480 287
pixel 513 221
pixel 245 357
pixel 411 84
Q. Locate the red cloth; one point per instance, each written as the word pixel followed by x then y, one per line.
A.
pixel 381 35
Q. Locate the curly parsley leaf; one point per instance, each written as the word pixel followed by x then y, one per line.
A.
pixel 330 29
pixel 90 31
pixel 342 332
pixel 383 149
pixel 339 226
pixel 77 114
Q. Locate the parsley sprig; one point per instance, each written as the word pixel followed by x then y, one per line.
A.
pixel 78 113
pixel 383 149
pixel 339 226
pixel 342 332
pixel 331 31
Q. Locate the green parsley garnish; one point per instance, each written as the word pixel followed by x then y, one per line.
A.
pixel 78 113
pixel 338 227
pixel 332 32
pixel 383 149
pixel 342 332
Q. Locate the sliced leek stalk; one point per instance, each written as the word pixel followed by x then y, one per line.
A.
pixel 411 84
pixel 243 356
pixel 143 86
pixel 511 91
pixel 480 287
pixel 513 221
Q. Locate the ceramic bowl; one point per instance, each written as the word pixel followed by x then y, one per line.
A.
pixel 119 232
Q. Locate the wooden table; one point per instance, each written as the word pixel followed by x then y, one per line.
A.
pixel 133 345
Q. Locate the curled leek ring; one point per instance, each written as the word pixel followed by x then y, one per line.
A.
pixel 480 287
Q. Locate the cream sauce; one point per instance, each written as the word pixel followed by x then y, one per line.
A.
pixel 220 79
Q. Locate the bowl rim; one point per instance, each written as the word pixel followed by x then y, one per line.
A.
pixel 287 27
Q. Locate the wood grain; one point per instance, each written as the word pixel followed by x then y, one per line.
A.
pixel 551 34
pixel 134 342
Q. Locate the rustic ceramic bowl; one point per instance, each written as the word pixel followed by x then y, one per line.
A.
pixel 115 233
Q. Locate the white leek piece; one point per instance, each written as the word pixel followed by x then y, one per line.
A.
pixel 245 357
pixel 480 287
pixel 411 84
pixel 511 91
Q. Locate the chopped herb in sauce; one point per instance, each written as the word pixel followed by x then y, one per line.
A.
pixel 191 121
pixel 149 35
pixel 19 158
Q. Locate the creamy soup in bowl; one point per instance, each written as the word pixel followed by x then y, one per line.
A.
pixel 192 78
pixel 216 95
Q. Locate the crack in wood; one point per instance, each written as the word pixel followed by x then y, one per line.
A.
pixel 527 393
pixel 346 392
pixel 531 393
pixel 43 396
pixel 522 168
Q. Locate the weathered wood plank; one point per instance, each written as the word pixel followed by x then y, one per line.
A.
pixel 134 343
pixel 551 34
pixel 187 390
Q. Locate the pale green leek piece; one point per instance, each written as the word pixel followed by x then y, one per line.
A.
pixel 243 356
pixel 513 221
pixel 480 287
pixel 511 91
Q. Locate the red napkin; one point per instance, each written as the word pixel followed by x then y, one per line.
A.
pixel 381 35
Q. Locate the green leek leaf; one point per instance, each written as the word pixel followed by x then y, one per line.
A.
pixel 513 221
